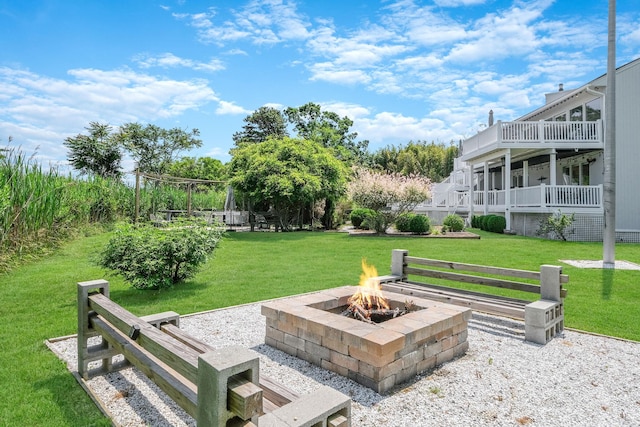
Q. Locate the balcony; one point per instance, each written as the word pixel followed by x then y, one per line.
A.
pixel 541 198
pixel 531 135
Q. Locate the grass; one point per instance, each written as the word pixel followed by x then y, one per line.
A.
pixel 38 300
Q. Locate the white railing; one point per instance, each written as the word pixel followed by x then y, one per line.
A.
pixel 535 132
pixel 574 196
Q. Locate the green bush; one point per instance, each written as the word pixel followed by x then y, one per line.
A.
pixel 419 224
pixel 374 221
pixel 483 222
pixel 403 222
pixel 496 223
pixel 359 215
pixel 475 221
pixel 152 258
pixel 453 222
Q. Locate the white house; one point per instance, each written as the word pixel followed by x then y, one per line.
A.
pixel 550 160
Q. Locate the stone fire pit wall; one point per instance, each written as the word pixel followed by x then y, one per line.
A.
pixel 378 356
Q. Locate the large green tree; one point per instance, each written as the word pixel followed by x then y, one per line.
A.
pixel 97 153
pixel 329 129
pixel 154 148
pixel 287 174
pixel 264 123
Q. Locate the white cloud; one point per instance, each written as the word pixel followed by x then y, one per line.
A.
pixel 631 34
pixel 42 111
pixel 229 108
pixel 261 21
pixel 458 3
pixel 327 72
pixel 169 60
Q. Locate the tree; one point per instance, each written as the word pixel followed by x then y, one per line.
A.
pixel 198 168
pixel 388 194
pixel 434 161
pixel 330 130
pixel 264 123
pixel 154 148
pixel 287 174
pixel 334 133
pixel 97 153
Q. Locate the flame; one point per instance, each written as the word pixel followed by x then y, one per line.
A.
pixel 369 294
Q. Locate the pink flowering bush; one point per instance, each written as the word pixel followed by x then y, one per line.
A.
pixel 389 195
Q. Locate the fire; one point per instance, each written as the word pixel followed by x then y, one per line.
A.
pixel 369 294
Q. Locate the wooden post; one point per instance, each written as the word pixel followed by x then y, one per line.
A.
pixel 103 351
pixel 188 199
pixel 137 208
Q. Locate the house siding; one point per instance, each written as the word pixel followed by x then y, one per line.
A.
pixel 628 147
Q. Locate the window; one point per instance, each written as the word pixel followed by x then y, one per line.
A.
pixel 576 114
pixel 594 109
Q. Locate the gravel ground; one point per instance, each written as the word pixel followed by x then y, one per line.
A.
pixel 575 380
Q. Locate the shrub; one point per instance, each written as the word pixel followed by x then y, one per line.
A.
pixel 496 223
pixel 453 222
pixel 556 225
pixel 359 215
pixel 475 221
pixel 419 224
pixel 403 222
pixel 381 191
pixel 152 258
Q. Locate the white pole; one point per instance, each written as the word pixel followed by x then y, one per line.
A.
pixel 609 235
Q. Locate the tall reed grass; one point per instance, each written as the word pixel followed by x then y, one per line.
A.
pixel 39 207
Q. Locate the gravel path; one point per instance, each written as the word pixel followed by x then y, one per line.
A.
pixel 575 380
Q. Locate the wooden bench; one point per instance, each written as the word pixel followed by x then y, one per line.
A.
pixel 218 387
pixel 264 220
pixel 549 291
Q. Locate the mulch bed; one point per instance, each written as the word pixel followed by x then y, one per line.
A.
pixel 394 233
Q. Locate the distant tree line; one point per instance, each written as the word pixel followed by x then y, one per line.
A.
pixel 295 161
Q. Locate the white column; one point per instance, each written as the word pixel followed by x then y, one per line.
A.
pixel 525 173
pixel 470 191
pixel 552 168
pixel 507 190
pixel 486 188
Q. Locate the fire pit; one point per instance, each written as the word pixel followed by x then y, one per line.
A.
pixel 314 327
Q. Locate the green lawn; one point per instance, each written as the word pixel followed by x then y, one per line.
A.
pixel 38 300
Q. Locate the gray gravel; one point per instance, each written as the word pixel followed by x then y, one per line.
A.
pixel 577 379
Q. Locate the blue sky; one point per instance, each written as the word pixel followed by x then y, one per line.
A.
pixel 401 69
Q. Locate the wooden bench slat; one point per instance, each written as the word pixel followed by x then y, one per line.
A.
pixel 479 280
pixel 181 390
pixel 522 274
pixel 274 394
pixel 517 302
pixel 181 358
pixel 487 305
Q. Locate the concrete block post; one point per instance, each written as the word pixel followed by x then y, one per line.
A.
pixel 550 282
pixel 543 320
pixel 214 370
pixel 102 351
pixel 324 407
pixel 397 262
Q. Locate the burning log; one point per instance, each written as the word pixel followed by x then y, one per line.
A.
pixel 368 302
pixel 374 315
